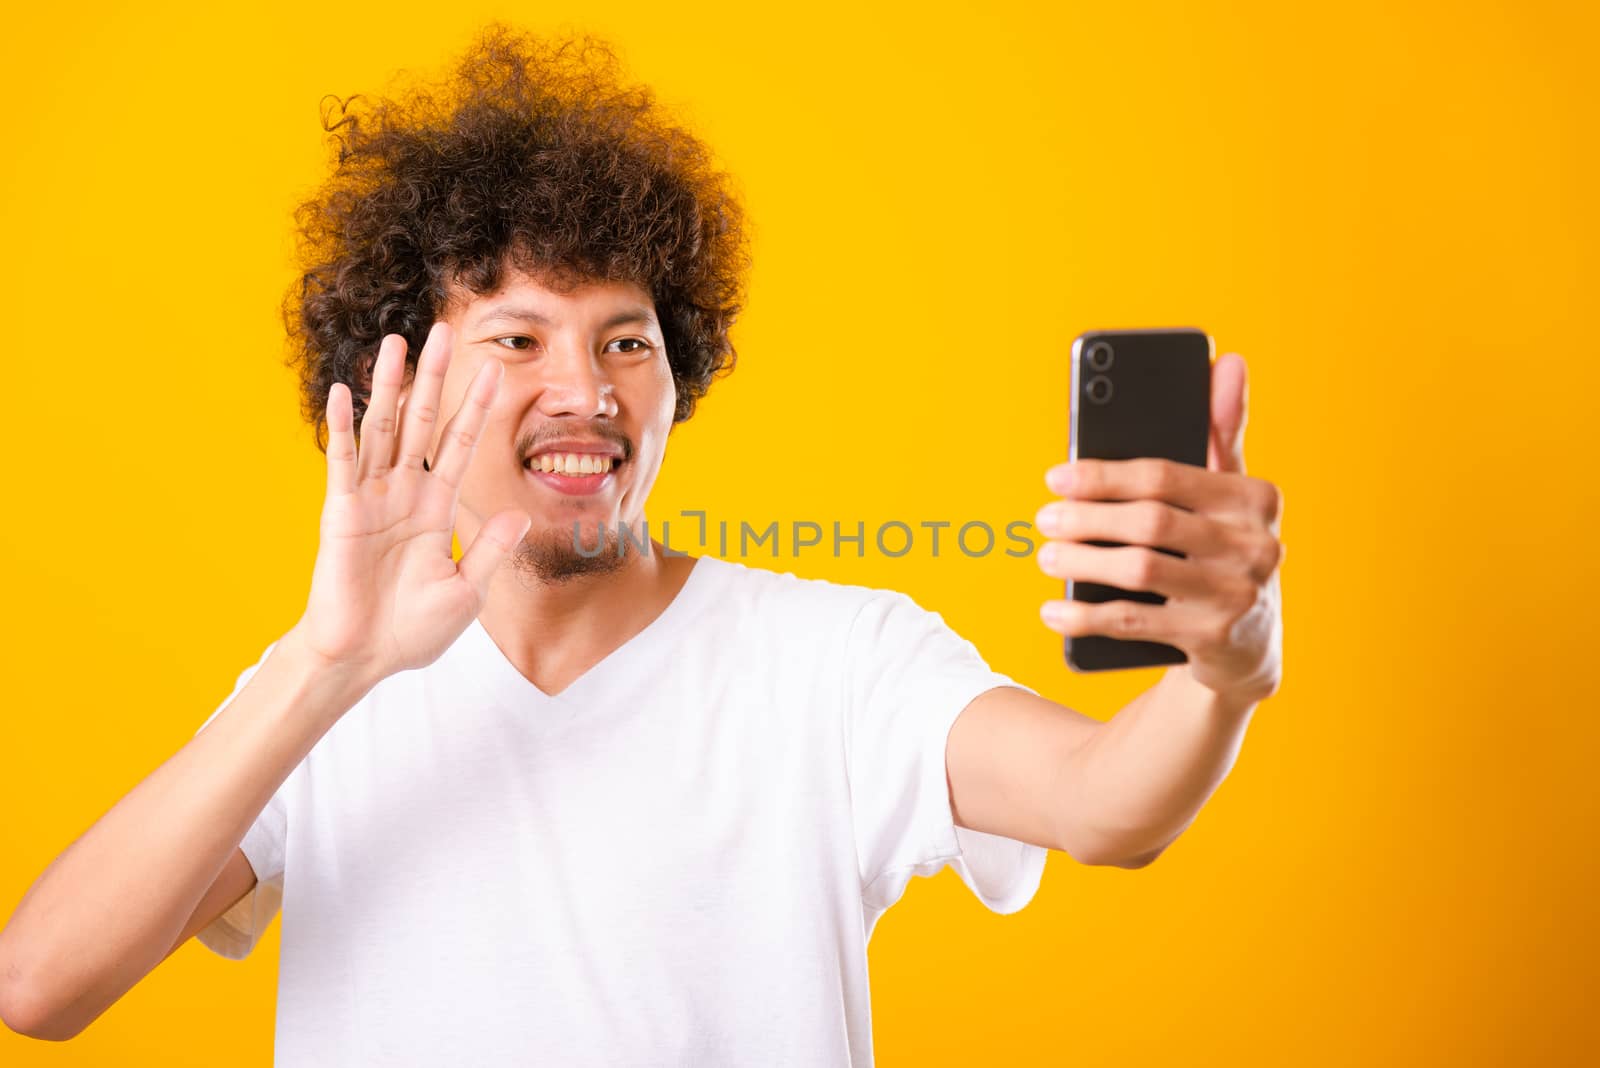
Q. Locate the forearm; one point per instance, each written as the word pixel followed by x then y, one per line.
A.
pixel 1143 776
pixel 108 909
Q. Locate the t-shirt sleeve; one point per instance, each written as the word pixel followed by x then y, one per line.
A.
pixel 235 933
pixel 907 677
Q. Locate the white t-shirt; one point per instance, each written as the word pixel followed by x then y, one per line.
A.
pixel 678 860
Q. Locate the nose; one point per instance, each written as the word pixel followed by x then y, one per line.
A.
pixel 575 382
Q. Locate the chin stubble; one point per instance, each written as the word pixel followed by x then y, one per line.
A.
pixel 550 556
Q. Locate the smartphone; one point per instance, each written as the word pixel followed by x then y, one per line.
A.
pixel 1136 393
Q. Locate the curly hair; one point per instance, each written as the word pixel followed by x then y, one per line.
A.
pixel 534 155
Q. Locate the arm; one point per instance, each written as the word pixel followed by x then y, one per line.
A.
pixel 386 596
pixel 1153 766
pixel 1108 793
pixel 235 881
pixel 1114 793
pixel 117 901
pixel 1118 793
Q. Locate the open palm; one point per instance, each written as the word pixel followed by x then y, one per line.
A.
pixel 386 596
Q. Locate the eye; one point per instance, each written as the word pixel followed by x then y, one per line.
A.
pixel 642 345
pixel 515 337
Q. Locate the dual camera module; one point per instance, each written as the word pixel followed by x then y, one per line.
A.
pixel 1098 357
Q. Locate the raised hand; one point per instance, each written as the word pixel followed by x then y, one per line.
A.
pixel 1223 604
pixel 386 596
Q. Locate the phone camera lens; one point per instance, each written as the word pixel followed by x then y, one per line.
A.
pixel 1100 356
pixel 1099 389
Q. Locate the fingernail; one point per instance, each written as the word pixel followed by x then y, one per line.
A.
pixel 1059 478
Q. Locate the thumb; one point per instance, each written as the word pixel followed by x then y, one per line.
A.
pixel 1230 394
pixel 495 541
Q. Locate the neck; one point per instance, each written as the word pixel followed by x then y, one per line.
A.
pixel 555 631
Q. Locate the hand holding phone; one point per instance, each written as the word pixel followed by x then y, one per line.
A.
pixel 1169 550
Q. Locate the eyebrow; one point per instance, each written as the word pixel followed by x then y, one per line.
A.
pixel 518 312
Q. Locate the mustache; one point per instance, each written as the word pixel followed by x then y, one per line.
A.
pixel 588 431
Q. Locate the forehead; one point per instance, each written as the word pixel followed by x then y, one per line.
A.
pixel 521 295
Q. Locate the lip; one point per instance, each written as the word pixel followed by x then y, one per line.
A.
pixel 571 485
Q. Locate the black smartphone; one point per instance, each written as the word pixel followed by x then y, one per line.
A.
pixel 1136 393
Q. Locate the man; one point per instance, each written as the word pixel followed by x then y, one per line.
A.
pixel 554 806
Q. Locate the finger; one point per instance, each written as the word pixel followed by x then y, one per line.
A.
pixel 376 453
pixel 1175 623
pixel 1150 478
pixel 1244 548
pixel 489 549
pixel 1153 523
pixel 1127 567
pixel 1230 394
pixel 1129 620
pixel 422 403
pixel 465 429
pixel 341 441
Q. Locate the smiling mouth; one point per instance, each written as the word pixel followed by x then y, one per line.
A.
pixel 572 464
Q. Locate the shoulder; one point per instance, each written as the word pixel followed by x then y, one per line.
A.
pixel 759 592
pixel 854 624
pixel 838 629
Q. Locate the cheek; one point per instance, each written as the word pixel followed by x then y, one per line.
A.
pixel 667 388
pixel 653 402
pixel 656 399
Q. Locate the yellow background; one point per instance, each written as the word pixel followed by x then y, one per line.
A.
pixel 1387 209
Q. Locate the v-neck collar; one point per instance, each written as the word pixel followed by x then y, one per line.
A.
pixel 486 668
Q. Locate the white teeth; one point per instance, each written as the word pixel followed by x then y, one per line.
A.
pixel 571 463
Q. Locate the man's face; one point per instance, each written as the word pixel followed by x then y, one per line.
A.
pixel 579 424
